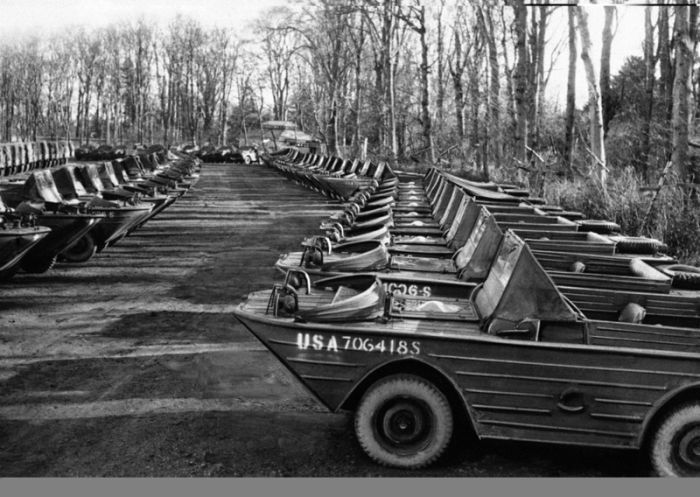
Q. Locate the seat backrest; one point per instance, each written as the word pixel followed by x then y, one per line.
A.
pixel 120 171
pixel 452 207
pixel 517 287
pixel 90 178
pixel 3 161
pixel 380 171
pixel 443 200
pixel 40 185
pixel 107 174
pixel 473 260
pixel 365 167
pixel 67 182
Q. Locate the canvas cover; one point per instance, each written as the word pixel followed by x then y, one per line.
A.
pixel 67 183
pixel 481 193
pixel 518 288
pixel 40 185
pixel 474 259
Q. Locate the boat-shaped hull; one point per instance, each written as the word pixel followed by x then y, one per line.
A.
pixel 66 229
pixel 14 244
pixel 524 365
pixel 116 223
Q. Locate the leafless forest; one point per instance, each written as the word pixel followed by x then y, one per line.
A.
pixel 449 82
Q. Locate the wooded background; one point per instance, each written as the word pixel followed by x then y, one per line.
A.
pixel 463 84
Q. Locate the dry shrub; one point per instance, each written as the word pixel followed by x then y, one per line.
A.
pixel 675 218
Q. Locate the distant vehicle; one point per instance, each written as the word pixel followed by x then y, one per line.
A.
pixel 190 148
pixel 249 154
pixel 89 152
pixel 226 153
pixel 289 136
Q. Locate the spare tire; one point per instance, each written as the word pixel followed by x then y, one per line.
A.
pixel 599 226
pixel 640 245
pixel 684 277
pixel 80 251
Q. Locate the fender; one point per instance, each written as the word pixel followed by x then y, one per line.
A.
pixel 408 366
pixel 663 404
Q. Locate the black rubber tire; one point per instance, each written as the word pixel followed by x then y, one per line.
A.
pixel 38 266
pixel 684 277
pixel 675 445
pixel 80 251
pixel 599 226
pixel 404 402
pixel 247 160
pixel 645 246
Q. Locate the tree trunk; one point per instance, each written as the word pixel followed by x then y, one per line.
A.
pixel 665 66
pixel 538 77
pixel 457 70
pixel 474 106
pixel 494 120
pixel 597 142
pixel 681 91
pixel 571 90
pixel 392 107
pixel 508 70
pixel 610 12
pixel 425 95
pixel 440 98
pixel 649 69
pixel 520 83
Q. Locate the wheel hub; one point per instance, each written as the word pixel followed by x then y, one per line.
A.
pixel 689 448
pixel 404 423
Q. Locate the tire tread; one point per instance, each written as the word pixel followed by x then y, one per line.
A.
pixel 661 440
pixel 444 411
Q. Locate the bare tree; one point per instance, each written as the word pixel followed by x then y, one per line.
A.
pixel 594 100
pixel 649 69
pixel 493 136
pixel 280 43
pixel 610 15
pixel 681 89
pixel 571 89
pixel 520 82
pixel 415 19
pixel 665 65
pixel 457 63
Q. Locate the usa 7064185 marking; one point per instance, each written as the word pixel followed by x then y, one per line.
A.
pixel 334 343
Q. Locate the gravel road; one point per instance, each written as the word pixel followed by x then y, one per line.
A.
pixel 133 365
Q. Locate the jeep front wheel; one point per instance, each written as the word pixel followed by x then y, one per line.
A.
pixel 675 447
pixel 404 421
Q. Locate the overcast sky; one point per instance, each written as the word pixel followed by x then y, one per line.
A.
pixel 19 17
pixel 627 41
pixel 25 16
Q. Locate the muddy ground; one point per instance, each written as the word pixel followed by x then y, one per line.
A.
pixel 133 364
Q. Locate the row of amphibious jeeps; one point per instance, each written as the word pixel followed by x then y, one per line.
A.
pixel 52 208
pixel 430 303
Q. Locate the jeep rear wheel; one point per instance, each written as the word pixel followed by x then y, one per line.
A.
pixel 80 251
pixel 404 421
pixel 675 447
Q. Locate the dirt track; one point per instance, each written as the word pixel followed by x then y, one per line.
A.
pixel 133 365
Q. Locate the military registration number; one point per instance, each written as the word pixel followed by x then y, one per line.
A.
pixel 410 290
pixel 340 343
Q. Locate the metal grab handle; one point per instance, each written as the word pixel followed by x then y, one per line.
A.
pixel 292 272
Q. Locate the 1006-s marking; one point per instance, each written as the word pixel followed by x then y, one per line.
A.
pixel 410 290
